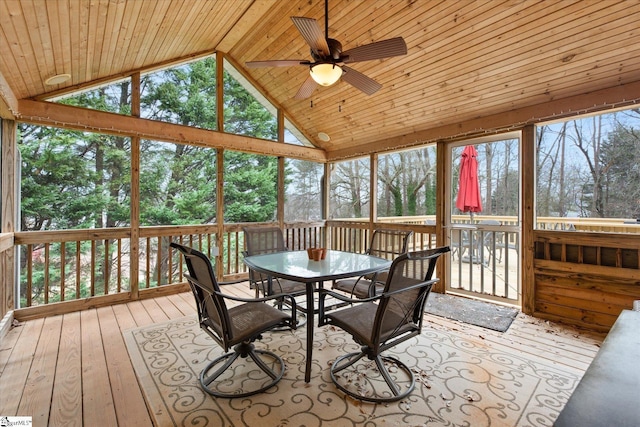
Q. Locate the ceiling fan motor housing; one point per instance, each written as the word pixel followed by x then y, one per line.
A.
pixel 335 50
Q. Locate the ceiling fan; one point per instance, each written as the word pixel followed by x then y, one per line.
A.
pixel 328 64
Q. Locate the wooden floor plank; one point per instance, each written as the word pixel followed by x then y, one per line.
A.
pixel 169 308
pixel 188 298
pixel 66 402
pixel 186 308
pixel 127 397
pixel 63 349
pixel 551 353
pixel 7 344
pixel 139 313
pixel 36 401
pixel 98 406
pixel 124 316
pixel 16 371
pixel 154 310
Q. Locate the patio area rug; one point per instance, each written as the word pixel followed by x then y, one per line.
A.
pixel 473 312
pixel 459 382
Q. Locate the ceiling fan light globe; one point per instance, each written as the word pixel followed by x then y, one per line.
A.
pixel 326 74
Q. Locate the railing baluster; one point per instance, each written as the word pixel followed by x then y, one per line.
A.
pixel 93 268
pixel 119 275
pixel 106 269
pixel 46 273
pixel 62 270
pixel 78 270
pixel 159 263
pixel 29 274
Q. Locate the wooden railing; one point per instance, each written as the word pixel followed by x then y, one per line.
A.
pixel 73 265
pixel 6 280
pixel 354 236
pixel 68 265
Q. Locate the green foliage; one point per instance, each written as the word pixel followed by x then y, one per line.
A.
pixel 177 184
pixel 243 115
pixel 71 179
pixel 250 187
pixel 184 95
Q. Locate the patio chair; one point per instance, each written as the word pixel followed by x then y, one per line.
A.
pixel 489 242
pixel 496 242
pixel 380 323
pixel 266 240
pixel 238 327
pixel 386 244
pixel 460 242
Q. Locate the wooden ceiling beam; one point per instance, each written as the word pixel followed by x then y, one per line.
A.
pixel 8 101
pixel 65 116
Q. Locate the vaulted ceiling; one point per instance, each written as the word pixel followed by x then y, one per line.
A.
pixel 471 66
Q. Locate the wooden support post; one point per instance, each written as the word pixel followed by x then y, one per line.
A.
pixel 527 189
pixel 281 163
pixel 326 181
pixel 220 91
pixel 134 239
pixel 219 266
pixel 9 212
pixel 373 192
pixel 443 211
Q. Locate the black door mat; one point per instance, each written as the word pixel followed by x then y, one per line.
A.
pixel 474 312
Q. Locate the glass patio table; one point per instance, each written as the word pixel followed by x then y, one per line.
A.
pixel 296 265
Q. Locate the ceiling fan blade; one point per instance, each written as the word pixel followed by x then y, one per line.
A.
pixel 306 89
pixel 276 63
pixel 312 34
pixel 376 50
pixel 360 81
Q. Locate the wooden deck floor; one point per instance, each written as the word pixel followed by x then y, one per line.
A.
pixel 74 369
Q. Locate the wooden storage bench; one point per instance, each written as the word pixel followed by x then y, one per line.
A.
pixel 609 392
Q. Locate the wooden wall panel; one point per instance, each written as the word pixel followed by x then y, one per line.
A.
pixel 585 279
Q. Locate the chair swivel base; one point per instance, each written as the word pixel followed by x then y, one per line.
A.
pixel 255 385
pixel 372 388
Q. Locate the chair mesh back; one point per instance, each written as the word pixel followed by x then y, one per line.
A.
pixel 211 308
pixel 389 244
pixel 264 240
pixel 404 309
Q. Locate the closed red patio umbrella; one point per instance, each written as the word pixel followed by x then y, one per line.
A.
pixel 469 199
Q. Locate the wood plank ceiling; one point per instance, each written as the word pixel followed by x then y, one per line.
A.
pixel 466 59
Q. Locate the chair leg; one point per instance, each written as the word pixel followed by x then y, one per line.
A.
pixel 392 385
pixel 208 380
pixel 364 386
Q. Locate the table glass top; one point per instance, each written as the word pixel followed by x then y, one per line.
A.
pixel 296 264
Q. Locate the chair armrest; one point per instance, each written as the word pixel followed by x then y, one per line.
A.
pixel 292 303
pixel 324 292
pixel 263 299
pixel 418 285
pixel 209 293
